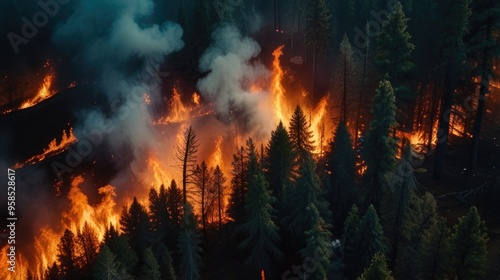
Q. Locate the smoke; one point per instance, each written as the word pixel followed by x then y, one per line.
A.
pixel 232 68
pixel 116 42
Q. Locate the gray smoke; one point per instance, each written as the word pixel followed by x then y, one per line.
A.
pixel 232 66
pixel 117 41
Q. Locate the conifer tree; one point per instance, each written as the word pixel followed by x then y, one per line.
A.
pixel 394 52
pixel 189 246
pixel 67 255
pixel 89 245
pixel 379 148
pixel 52 272
pixel 469 246
pixel 134 223
pixel 318 245
pixel 186 157
pixel 342 168
pixel 158 214
pixel 239 185
pixel 107 267
pixel 434 257
pixel 307 190
pixel 110 234
pixel 300 134
pixel 165 262
pixel 150 270
pixel 400 206
pixel 219 181
pixel 279 165
pixel 261 234
pixel 317 31
pixel 346 75
pixel 203 181
pixel 370 238
pixel 125 255
pixel 350 229
pixel 174 204
pixel 377 270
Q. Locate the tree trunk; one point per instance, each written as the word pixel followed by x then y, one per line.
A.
pixel 485 83
pixel 444 123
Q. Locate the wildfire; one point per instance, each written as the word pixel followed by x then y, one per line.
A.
pixel 262 275
pixel 182 113
pixel 156 168
pixel 318 124
pixel 277 88
pixel 195 98
pixel 216 157
pixel 54 148
pixel 43 93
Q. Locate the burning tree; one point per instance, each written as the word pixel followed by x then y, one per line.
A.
pixel 186 156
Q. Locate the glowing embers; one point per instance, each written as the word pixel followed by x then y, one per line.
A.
pixel 54 148
pixel 179 112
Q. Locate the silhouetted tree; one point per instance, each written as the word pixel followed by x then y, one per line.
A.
pixel 301 135
pixel 186 156
pixel 189 246
pixel 107 267
pixel 261 234
pixel 203 181
pixel 219 181
pixel 158 214
pixel 239 185
pixel 52 272
pixel 150 270
pixel 134 223
pixel 67 256
pixel 89 245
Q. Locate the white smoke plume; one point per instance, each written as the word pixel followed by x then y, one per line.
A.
pixel 232 68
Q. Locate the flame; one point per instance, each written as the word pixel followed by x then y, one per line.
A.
pixel 181 113
pixel 318 124
pixel 67 139
pixel 277 88
pixel 156 168
pixel 195 98
pixel 216 156
pixel 43 93
pixel 262 275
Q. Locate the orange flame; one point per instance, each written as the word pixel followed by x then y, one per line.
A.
pixel 216 156
pixel 262 275
pixel 52 149
pixel 318 124
pixel 195 98
pixel 43 93
pixel 160 176
pixel 277 88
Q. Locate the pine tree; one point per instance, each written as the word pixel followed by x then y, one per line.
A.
pixel 261 234
pixel 134 223
pixel 279 165
pixel 110 234
pixel 107 267
pixel 400 206
pixel 469 246
pixel 189 246
pixel 434 257
pixel 307 190
pixel 394 52
pixel 67 255
pixel 219 181
pixel 379 148
pixel 174 204
pixel 124 255
pixel 370 238
pixel 88 243
pixel 203 181
pixel 347 241
pixel 318 245
pixel 165 262
pixel 158 214
pixel 377 270
pixel 239 185
pixel 150 270
pixel 342 168
pixel 346 75
pixel 300 134
pixel 317 31
pixel 186 156
pixel 52 272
